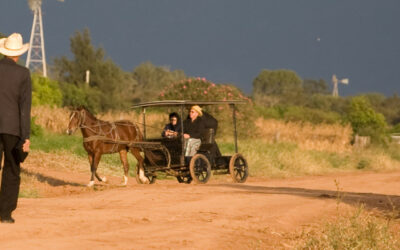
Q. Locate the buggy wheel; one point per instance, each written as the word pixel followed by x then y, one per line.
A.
pixel 152 178
pixel 184 179
pixel 238 168
pixel 200 169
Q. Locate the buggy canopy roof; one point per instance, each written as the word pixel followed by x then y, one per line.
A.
pixel 185 102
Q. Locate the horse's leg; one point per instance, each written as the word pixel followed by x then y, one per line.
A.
pixel 123 154
pixel 91 156
pixel 93 167
pixel 139 158
pixel 102 179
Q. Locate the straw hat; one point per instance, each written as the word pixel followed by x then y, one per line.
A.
pixel 197 109
pixel 13 45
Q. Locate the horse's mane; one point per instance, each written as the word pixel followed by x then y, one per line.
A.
pixel 80 108
pixel 94 118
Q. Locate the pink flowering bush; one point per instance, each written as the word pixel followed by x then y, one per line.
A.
pixel 200 89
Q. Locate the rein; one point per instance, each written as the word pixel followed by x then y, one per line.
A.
pixel 101 135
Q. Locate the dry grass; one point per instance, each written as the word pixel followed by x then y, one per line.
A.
pixel 357 229
pixel 53 119
pixel 57 119
pixel 154 121
pixel 322 137
pixel 277 160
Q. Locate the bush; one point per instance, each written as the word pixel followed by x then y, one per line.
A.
pixel 46 92
pixel 298 113
pixel 36 130
pixel 365 121
pixel 327 103
pixel 395 128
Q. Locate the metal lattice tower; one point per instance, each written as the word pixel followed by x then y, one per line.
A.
pixel 36 59
pixel 335 81
pixel 335 91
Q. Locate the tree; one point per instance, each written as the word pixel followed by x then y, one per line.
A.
pixel 364 120
pixel 312 87
pixel 113 86
pixel 271 87
pixel 151 79
pixel 390 108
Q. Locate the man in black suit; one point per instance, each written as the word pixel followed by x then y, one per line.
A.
pixel 15 111
pixel 1 154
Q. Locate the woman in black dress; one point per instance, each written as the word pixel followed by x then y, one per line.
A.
pixel 173 128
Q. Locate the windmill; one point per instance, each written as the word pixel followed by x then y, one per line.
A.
pixel 335 82
pixel 36 59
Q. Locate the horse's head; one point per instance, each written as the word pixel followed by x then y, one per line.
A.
pixel 75 120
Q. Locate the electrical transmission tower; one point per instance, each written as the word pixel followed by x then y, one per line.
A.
pixel 36 59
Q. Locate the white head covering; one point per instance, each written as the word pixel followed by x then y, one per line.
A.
pixel 13 45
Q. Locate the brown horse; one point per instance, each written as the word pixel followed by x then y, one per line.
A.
pixel 102 137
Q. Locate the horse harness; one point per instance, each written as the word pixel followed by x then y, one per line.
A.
pixel 112 136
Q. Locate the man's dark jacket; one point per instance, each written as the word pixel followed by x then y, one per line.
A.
pixel 15 99
pixel 195 129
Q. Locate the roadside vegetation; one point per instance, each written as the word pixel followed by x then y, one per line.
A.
pixel 357 229
pixel 352 228
pixel 280 149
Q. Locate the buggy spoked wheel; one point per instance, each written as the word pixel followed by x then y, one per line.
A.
pixel 184 179
pixel 200 169
pixel 151 179
pixel 238 168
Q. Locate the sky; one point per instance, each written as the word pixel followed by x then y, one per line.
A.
pixel 231 41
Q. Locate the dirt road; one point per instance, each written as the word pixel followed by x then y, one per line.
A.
pixel 219 215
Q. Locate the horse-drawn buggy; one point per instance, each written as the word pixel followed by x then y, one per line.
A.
pixel 166 154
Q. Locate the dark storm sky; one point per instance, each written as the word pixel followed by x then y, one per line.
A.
pixel 231 41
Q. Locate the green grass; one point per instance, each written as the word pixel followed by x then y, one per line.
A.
pixel 51 143
pixel 264 159
pixel 287 159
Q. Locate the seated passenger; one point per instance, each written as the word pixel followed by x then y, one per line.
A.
pixel 193 129
pixel 173 128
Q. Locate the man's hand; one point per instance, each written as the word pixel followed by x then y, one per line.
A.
pixel 26 145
